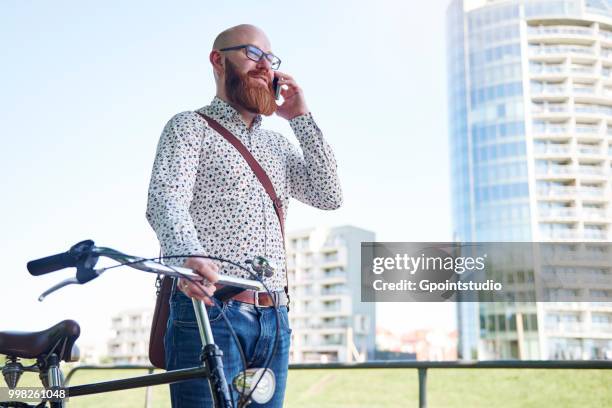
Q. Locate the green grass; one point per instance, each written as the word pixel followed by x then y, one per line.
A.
pixel 450 388
pixel 397 387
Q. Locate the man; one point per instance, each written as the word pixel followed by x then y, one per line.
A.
pixel 204 199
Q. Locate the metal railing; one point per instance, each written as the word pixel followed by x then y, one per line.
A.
pixel 421 366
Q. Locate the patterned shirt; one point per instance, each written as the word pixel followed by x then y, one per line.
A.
pixel 204 199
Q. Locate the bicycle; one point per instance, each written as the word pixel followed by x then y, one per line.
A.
pixel 56 344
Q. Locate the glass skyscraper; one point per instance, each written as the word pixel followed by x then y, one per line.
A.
pixel 530 130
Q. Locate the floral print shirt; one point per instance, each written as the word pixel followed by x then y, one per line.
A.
pixel 204 199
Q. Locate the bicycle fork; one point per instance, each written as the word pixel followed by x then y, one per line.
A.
pixel 211 357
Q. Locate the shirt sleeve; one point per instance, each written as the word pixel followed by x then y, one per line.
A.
pixel 171 187
pixel 312 173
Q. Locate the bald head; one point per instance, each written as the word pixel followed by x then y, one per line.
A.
pixel 242 34
pixel 230 65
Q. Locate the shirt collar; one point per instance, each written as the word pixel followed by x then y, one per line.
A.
pixel 229 117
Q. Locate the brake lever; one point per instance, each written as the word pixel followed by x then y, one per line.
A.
pixel 93 273
pixel 65 282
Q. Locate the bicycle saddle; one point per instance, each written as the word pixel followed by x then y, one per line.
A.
pixel 59 339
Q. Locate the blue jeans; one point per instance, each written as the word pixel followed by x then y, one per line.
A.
pixel 256 330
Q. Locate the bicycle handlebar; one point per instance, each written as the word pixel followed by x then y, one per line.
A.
pixel 84 257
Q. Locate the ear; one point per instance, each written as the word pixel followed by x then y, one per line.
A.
pixel 216 60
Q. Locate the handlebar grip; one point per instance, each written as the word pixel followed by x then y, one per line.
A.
pixel 78 254
pixel 51 263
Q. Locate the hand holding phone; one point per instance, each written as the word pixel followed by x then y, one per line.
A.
pixel 293 97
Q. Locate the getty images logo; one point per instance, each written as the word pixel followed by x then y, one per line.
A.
pixel 412 264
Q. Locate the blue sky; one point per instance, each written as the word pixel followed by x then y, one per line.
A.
pixel 86 88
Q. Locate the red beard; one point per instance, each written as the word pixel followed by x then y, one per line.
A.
pixel 246 92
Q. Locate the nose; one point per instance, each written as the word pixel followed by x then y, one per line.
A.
pixel 264 64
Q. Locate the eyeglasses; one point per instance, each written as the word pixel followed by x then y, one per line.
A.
pixel 255 54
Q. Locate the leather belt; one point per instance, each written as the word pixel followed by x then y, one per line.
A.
pixel 256 298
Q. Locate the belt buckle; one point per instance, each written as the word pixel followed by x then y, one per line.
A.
pixel 274 295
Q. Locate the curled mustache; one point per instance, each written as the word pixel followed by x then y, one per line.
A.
pixel 262 75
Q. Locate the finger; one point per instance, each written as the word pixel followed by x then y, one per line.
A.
pixel 186 288
pixel 190 288
pixel 290 85
pixel 196 264
pixel 213 268
pixel 289 93
pixel 194 290
pixel 282 75
pixel 183 284
pixel 209 271
pixel 207 288
pixel 197 287
pixel 205 299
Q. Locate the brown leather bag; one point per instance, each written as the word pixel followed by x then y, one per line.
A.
pixel 157 353
pixel 159 323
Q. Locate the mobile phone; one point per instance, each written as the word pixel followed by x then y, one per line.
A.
pixel 276 87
